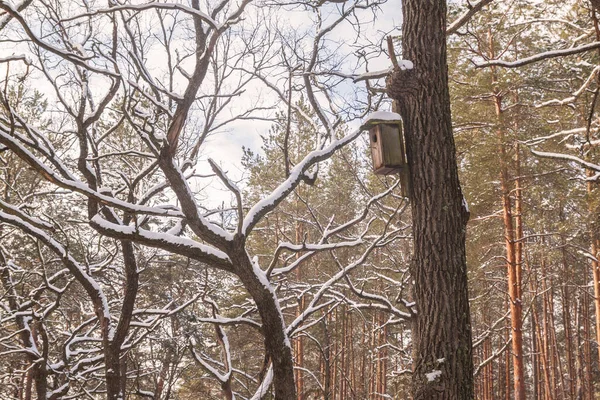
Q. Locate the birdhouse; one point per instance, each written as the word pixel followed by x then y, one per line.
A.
pixel 386 141
pixel 388 150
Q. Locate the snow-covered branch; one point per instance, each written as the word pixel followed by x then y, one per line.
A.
pixel 297 175
pixel 540 57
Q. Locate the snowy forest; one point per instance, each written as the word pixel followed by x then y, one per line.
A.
pixel 189 209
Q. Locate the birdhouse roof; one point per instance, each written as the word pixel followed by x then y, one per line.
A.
pixel 381 117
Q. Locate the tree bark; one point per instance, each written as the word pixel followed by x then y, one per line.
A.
pixel 277 344
pixel 443 366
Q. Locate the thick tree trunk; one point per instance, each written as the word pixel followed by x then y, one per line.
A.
pixel 443 366
pixel 113 374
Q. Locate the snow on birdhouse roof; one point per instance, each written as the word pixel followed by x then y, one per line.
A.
pixel 379 117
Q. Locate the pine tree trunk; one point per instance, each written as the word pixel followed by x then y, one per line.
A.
pixel 441 329
pixel 534 355
pixel 587 348
pixel 594 244
pixel 488 372
pixel 513 248
pixel 327 354
pixel 579 347
pixel 566 319
pixel 299 342
pixel 507 375
pixel 545 337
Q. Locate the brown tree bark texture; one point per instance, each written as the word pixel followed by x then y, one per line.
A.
pixel 441 330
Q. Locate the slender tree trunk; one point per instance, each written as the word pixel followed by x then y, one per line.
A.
pixel 28 385
pixel 579 346
pixel 373 365
pixel 384 357
pixel 545 336
pixel 587 348
pixel 566 314
pixel 334 354
pixel 160 384
pixel 342 354
pixel 507 374
pixel 513 248
pixel 364 362
pixel 592 194
pixel 299 342
pixel 488 372
pixel 327 360
pixel 443 365
pixel 557 372
pixel 594 212
pixel 352 355
pixel 535 356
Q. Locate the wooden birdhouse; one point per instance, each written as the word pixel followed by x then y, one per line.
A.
pixel 387 142
pixel 388 150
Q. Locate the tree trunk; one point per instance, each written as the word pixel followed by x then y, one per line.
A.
pixel 443 365
pixel 507 374
pixel 299 342
pixel 545 337
pixel 277 344
pixel 594 241
pixel 511 229
pixel 326 359
pixel 587 348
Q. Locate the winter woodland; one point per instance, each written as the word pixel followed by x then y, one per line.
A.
pixel 188 208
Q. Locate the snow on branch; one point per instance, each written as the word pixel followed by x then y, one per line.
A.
pixel 575 95
pixel 297 174
pixel 326 286
pixel 176 244
pixel 376 300
pixel 19 57
pixel 567 157
pixel 148 6
pixel 264 385
pixel 466 16
pixel 89 284
pixel 371 75
pixel 201 226
pixel 540 57
pixel 38 223
pixel 326 235
pixel 404 65
pixel 231 186
pixel 222 378
pixel 20 7
pixel 566 133
pixel 76 185
pixel 67 55
pixel 318 247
